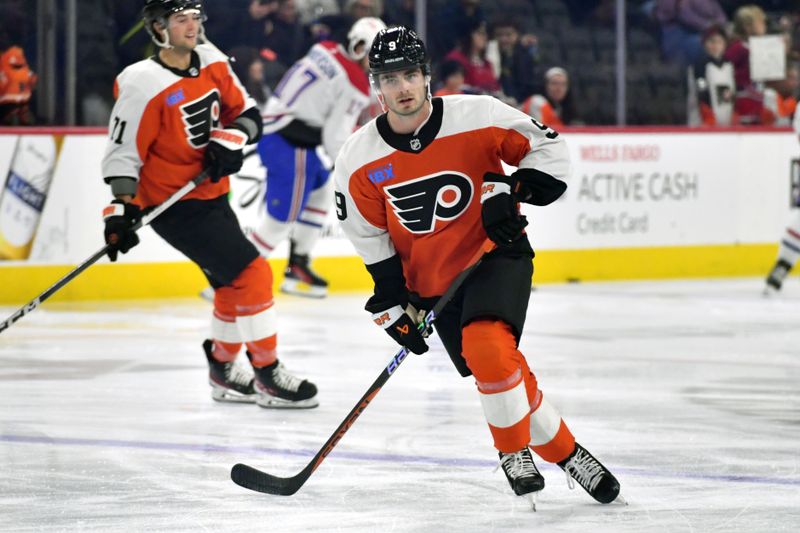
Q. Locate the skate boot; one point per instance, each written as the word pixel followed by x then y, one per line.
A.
pixel 522 474
pixel 590 474
pixel 277 389
pixel 300 280
pixel 229 382
pixel 776 277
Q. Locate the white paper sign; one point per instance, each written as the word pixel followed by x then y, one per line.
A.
pixel 767 58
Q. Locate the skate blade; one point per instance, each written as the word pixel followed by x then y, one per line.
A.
pixel 770 292
pixel 272 402
pixel 533 499
pixel 220 394
pixel 299 288
pixel 207 294
pixel 620 500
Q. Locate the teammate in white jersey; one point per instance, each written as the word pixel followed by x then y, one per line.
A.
pixel 789 249
pixel 314 108
pixel 418 191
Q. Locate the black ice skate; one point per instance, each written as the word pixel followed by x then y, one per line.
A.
pixel 522 474
pixel 277 389
pixel 229 382
pixel 299 279
pixel 590 474
pixel 776 277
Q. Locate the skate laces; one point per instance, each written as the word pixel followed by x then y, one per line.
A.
pixel 518 464
pixel 584 469
pixel 238 374
pixel 284 379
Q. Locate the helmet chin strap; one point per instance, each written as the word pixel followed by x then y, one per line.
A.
pixel 165 43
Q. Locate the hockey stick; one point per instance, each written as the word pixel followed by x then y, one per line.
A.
pixel 254 479
pixel 145 220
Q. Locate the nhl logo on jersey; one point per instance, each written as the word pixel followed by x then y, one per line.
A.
pixel 416 144
pixel 419 203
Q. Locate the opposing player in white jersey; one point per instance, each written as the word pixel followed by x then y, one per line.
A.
pixel 314 107
pixel 418 191
pixel 178 113
pixel 789 249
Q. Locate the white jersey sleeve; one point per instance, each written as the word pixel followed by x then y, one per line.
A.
pixel 548 152
pixel 128 139
pixel 324 90
pixel 355 198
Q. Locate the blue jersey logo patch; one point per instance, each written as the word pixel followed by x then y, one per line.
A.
pixel 175 98
pixel 381 174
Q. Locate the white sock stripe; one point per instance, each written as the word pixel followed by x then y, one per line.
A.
pixel 224 331
pixel 545 422
pixel 504 409
pixel 258 326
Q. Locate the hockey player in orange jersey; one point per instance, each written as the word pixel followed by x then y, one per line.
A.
pixel 177 113
pixel 418 190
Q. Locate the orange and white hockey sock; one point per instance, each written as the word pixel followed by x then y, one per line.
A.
pixel 551 439
pixel 226 337
pixel 503 382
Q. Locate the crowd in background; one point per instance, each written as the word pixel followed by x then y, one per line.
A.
pixel 552 58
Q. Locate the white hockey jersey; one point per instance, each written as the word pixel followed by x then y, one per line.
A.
pixel 418 195
pixel 325 90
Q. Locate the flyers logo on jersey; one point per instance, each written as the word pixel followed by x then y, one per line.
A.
pixel 200 116
pixel 419 203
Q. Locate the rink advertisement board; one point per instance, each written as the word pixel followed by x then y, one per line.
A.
pixel 640 204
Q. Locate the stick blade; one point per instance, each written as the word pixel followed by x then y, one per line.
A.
pixel 254 479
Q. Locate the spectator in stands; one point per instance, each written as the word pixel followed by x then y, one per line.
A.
pixel 285 35
pixel 780 98
pixel 452 75
pixel 17 82
pixel 471 53
pixel 713 82
pixel 682 24
pixel 518 71
pixel 555 108
pixel 248 65
pixel 748 21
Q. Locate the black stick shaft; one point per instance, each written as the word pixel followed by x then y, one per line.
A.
pixel 75 272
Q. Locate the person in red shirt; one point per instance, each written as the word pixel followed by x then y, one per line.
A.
pixel 178 113
pixel 471 53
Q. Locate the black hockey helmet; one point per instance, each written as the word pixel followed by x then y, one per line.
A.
pixel 160 10
pixel 397 48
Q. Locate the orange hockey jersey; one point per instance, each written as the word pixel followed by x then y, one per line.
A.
pixel 162 120
pixel 418 195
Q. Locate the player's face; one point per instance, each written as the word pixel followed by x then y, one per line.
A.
pixel 404 91
pixel 557 87
pixel 184 29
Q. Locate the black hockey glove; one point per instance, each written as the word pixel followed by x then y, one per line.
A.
pixel 120 219
pixel 399 325
pixel 499 212
pixel 224 153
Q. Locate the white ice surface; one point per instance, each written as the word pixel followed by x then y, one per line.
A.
pixel 688 391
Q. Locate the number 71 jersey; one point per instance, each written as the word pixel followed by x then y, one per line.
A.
pixel 418 195
pixel 162 120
